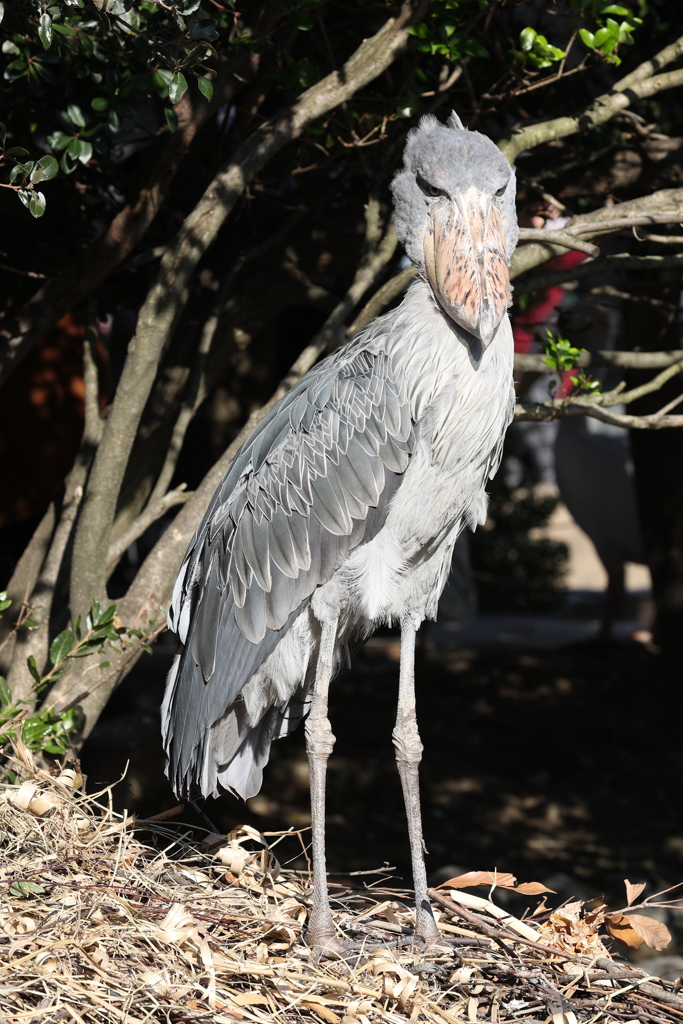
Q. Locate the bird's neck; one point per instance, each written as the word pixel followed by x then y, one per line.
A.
pixel 432 352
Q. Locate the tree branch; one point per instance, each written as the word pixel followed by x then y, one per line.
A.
pixel 597 406
pixel 545 412
pixel 35 642
pixel 638 85
pixel 617 293
pixel 168 295
pixel 23 581
pixel 663 207
pixel 153 511
pixel 565 239
pixel 627 360
pixel 591 267
pixel 99 259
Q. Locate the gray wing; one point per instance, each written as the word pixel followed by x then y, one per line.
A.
pixel 312 483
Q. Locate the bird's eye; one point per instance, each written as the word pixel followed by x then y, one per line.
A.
pixel 430 190
pixel 501 190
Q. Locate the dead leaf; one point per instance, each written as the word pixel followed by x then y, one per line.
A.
pixel 251 999
pixel 532 888
pixel 324 1012
pixel 248 865
pixel 501 879
pixel 633 890
pixel 619 928
pixel 575 929
pixel 655 934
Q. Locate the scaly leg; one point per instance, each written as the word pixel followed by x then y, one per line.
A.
pixel 408 756
pixel 319 743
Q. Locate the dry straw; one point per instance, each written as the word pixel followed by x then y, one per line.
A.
pixel 107 920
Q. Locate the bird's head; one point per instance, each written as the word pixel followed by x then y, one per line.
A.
pixel 455 214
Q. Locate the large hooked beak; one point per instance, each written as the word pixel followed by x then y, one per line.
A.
pixel 466 264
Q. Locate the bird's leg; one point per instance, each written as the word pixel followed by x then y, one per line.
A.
pixel 319 744
pixel 408 756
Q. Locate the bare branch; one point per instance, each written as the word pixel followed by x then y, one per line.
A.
pixel 153 511
pixel 638 85
pixel 35 643
pixel 591 267
pixel 608 289
pixel 562 238
pixel 546 411
pixel 660 239
pixel 626 397
pixel 627 360
pixel 168 295
pixel 23 580
pixel 663 207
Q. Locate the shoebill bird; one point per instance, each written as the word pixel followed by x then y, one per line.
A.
pixel 341 511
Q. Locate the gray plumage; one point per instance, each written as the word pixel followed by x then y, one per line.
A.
pixel 346 501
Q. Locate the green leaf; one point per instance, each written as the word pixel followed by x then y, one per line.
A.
pixel 20 888
pixel 30 624
pixel 601 36
pixel 100 103
pixel 162 79
pixel 86 152
pixel 109 613
pixel 20 172
pixel 9 47
pixel 61 645
pixel 302 21
pixel 527 37
pixel 616 9
pixel 94 614
pixel 37 204
pixel 54 748
pixel 205 87
pixel 75 115
pixel 171 118
pixel 58 140
pixel 177 88
pixel 5 693
pixel 587 38
pixel 45 30
pixel 33 668
pixel 45 169
pixel 2 11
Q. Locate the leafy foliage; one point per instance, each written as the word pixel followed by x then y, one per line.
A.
pixel 610 34
pixel 107 60
pixel 46 729
pixel 536 49
pixel 562 356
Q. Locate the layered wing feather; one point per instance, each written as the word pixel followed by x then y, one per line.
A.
pixel 312 482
